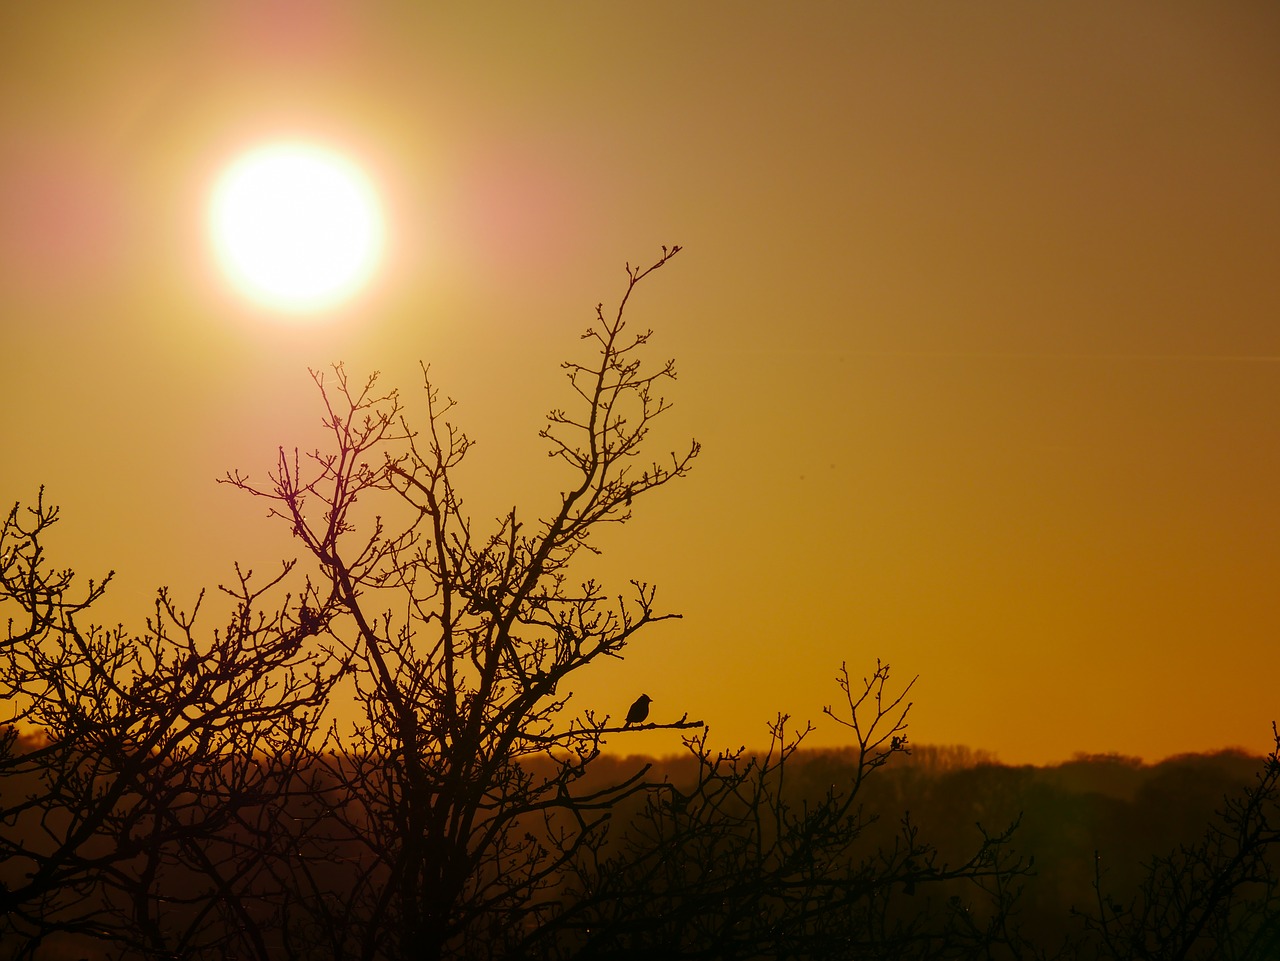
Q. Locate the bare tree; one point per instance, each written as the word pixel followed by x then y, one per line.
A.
pixel 1218 898
pixel 133 791
pixel 457 643
pixel 388 763
pixel 736 864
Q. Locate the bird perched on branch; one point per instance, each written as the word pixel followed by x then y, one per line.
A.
pixel 639 710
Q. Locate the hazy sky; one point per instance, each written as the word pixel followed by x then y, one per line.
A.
pixel 978 322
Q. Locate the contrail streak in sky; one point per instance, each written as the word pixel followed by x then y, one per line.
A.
pixel 1028 355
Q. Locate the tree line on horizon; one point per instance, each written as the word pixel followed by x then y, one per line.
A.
pixel 1099 839
pixel 185 790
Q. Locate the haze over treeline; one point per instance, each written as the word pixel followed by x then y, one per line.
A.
pixel 1089 832
pixel 1110 812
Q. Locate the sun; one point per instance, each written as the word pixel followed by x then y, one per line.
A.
pixel 296 227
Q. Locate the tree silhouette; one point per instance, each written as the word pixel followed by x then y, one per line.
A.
pixel 132 785
pixel 385 762
pixel 456 644
pixel 736 863
pixel 1216 898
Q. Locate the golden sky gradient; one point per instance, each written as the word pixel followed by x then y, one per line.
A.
pixel 978 322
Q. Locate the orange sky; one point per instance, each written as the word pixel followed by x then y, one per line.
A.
pixel 978 323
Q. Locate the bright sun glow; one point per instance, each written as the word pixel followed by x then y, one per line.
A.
pixel 296 227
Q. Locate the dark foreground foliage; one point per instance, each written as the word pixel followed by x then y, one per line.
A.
pixel 1114 859
pixel 182 791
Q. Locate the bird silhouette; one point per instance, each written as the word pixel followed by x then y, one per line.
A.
pixel 639 710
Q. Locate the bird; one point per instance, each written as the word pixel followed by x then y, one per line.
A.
pixel 639 710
